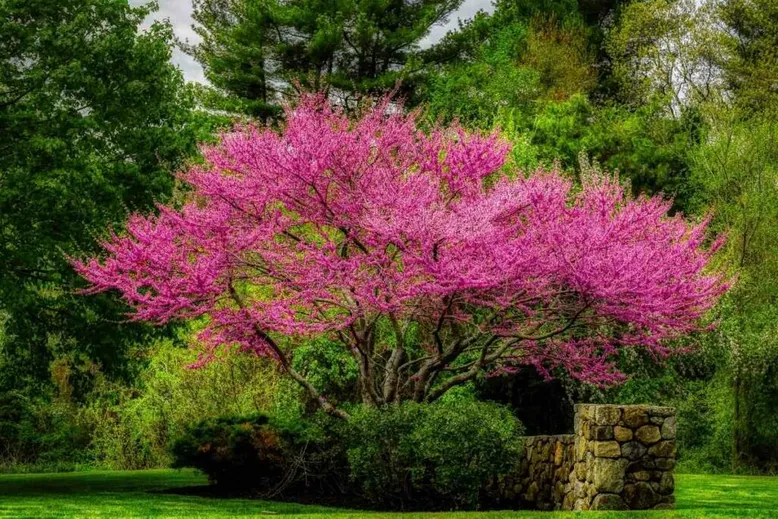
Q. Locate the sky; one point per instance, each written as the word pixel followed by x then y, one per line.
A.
pixel 179 12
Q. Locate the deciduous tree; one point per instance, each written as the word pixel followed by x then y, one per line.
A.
pixel 93 116
pixel 416 251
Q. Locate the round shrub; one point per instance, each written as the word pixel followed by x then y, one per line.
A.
pixel 439 455
pixel 234 452
pixel 266 457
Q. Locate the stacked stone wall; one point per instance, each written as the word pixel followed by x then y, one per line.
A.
pixel 541 480
pixel 619 458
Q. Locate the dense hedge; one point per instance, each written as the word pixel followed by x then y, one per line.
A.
pixel 417 456
pixel 438 455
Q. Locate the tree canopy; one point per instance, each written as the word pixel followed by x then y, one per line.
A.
pixel 93 118
pixel 339 228
pixel 253 52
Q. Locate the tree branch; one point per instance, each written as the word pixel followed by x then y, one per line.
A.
pixel 287 365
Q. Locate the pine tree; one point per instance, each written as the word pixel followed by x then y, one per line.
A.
pixel 256 51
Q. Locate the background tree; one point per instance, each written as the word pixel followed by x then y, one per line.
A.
pixel 254 51
pixel 752 42
pixel 386 239
pixel 737 174
pixel 540 72
pixel 667 51
pixel 93 117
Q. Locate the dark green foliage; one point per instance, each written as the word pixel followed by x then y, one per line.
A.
pixel 37 434
pixel 439 455
pixel 329 367
pixel 93 118
pixel 260 455
pixel 235 452
pixel 254 53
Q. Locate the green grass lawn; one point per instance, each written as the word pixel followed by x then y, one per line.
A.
pixel 138 494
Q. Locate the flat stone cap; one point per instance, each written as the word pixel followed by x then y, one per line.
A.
pixel 654 410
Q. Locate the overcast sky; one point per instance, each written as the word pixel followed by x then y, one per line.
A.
pixel 179 12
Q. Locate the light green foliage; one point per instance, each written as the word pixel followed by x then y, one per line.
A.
pixel 518 65
pixel 714 64
pixel 134 426
pixel 433 455
pixel 736 174
pixel 724 391
pixel 667 51
pixel 751 62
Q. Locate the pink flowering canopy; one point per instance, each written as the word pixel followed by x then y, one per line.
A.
pixel 415 251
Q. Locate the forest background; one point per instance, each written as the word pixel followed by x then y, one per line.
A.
pixel 680 97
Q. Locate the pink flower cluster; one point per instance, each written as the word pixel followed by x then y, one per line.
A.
pixel 321 227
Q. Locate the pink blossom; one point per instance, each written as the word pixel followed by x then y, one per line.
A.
pixel 332 225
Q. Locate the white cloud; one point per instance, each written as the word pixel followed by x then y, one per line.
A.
pixel 179 12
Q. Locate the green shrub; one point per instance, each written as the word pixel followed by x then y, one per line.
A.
pixel 41 434
pixel 258 454
pixel 439 455
pixel 235 452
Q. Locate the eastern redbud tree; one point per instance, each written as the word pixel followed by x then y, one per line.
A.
pixel 415 251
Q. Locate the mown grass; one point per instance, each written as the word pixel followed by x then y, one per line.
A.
pixel 142 494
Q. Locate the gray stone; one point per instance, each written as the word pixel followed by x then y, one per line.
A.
pixel 581 446
pixel 601 432
pixel 633 450
pixel 568 502
pixel 579 490
pixel 607 415
pixel 608 474
pixel 608 502
pixel 668 428
pixel 635 417
pixel 532 491
pixel 663 449
pixel 644 463
pixel 606 466
pixel 662 411
pixel 581 505
pixel 639 496
pixel 583 411
pixel 559 453
pixel 666 484
pixel 648 434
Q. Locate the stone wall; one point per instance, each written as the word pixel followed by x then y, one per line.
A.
pixel 619 458
pixel 540 481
